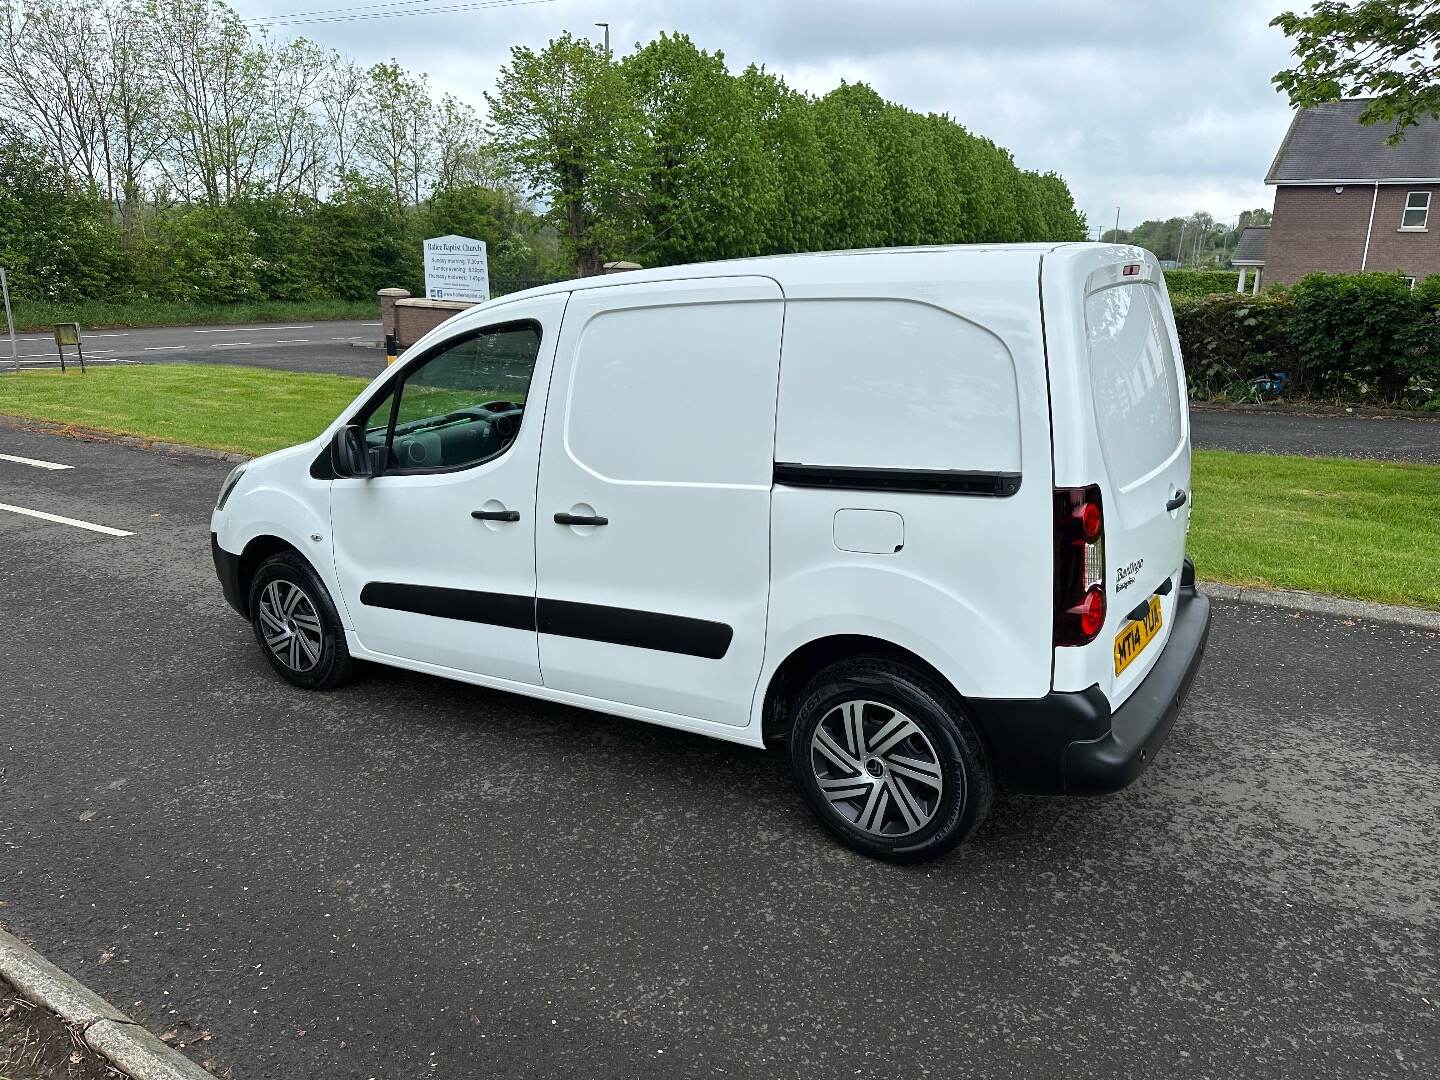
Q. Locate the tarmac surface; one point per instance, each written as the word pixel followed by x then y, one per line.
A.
pixel 1384 438
pixel 412 877
pixel 349 347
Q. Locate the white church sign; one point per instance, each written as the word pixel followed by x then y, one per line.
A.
pixel 456 268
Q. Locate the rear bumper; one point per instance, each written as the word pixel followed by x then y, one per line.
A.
pixel 227 569
pixel 1071 743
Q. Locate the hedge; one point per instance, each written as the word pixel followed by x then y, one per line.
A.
pixel 1201 282
pixel 1353 337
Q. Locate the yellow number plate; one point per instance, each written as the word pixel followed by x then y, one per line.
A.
pixel 1130 642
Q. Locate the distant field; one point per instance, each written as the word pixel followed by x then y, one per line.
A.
pixel 1363 529
pixel 93 315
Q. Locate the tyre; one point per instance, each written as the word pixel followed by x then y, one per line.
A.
pixel 297 626
pixel 887 761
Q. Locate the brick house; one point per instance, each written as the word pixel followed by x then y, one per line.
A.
pixel 1347 202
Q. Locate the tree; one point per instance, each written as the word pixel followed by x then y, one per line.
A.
pixel 395 134
pixel 707 184
pixel 1388 50
pixel 566 125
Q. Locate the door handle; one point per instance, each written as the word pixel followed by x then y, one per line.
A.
pixel 581 519
pixel 1177 502
pixel 495 515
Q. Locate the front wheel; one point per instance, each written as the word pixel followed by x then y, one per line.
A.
pixel 887 763
pixel 297 625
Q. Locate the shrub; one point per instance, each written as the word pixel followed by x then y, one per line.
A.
pixel 1201 282
pixel 1361 335
pixel 1232 338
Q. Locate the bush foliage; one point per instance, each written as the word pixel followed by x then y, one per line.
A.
pixel 1201 282
pixel 1353 337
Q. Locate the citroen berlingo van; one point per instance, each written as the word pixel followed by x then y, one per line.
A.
pixel 917 515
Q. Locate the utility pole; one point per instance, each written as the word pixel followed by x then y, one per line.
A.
pixel 1180 244
pixel 9 319
pixel 1117 224
pixel 606 25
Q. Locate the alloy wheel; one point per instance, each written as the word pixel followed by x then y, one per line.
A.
pixel 291 625
pixel 877 768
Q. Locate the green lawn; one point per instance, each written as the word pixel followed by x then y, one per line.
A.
pixel 31 315
pixel 1363 529
pixel 244 410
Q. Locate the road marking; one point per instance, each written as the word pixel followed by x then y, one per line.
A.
pixel 372 324
pixel 34 461
pixel 229 344
pixel 248 329
pixel 291 341
pixel 162 348
pixel 106 529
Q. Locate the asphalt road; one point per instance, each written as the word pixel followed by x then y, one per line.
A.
pixel 301 346
pixel 411 877
pixel 1391 438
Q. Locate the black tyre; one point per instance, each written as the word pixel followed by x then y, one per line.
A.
pixel 887 761
pixel 297 626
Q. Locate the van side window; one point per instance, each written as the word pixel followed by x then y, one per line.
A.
pixel 460 407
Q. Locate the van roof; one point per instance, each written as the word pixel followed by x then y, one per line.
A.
pixel 952 261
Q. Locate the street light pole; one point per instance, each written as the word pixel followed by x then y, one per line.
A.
pixel 1117 224
pixel 606 25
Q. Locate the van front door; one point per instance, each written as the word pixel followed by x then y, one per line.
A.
pixel 653 520
pixel 436 556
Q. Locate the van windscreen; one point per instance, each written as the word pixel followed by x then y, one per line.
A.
pixel 1134 380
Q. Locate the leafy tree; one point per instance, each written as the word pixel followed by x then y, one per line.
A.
pixel 707 184
pixel 1380 49
pixel 566 123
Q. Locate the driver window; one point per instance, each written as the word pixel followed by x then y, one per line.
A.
pixel 463 405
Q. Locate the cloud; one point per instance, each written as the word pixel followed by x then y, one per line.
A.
pixel 1160 107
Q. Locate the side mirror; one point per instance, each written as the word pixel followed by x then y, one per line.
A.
pixel 350 456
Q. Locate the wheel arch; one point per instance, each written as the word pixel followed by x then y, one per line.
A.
pixel 803 662
pixel 257 549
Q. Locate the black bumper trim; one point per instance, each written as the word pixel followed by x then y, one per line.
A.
pixel 227 569
pixel 1069 742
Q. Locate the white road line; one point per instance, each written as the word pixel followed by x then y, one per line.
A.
pixel 372 324
pixel 162 348
pixel 229 344
pixel 34 461
pixel 248 329
pixel 291 341
pixel 106 529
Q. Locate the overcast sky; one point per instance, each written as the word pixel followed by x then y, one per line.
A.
pixel 1158 106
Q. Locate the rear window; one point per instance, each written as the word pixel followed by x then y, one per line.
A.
pixel 1133 374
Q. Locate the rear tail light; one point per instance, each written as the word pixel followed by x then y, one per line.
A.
pixel 1079 565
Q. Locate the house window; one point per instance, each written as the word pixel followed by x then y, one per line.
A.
pixel 1417 210
pixel 1410 281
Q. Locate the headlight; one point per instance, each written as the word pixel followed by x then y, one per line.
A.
pixel 229 486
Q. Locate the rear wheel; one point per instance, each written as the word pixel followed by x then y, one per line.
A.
pixel 887 762
pixel 297 625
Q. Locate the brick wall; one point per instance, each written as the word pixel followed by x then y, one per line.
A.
pixel 1318 228
pixel 1414 253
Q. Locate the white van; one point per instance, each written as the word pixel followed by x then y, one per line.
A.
pixel 918 514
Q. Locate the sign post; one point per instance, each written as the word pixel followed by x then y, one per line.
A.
pixel 9 319
pixel 456 268
pixel 68 333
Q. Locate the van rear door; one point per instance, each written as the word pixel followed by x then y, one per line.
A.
pixel 1121 421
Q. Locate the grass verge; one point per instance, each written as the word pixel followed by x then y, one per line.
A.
pixel 242 410
pixel 1368 530
pixel 32 315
